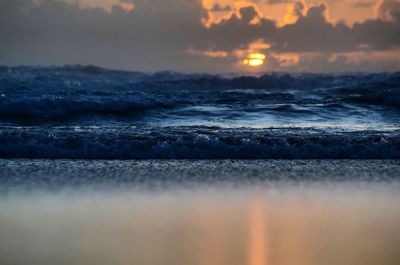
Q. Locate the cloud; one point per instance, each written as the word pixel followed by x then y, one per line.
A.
pixel 312 32
pixel 363 4
pixel 150 37
pixel 171 35
pixel 389 10
pixel 105 4
pixel 219 8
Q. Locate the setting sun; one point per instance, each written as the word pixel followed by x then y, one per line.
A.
pixel 254 59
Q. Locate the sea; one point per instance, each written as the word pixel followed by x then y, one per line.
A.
pixel 85 112
pixel 101 166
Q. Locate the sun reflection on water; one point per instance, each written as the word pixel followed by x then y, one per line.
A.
pixel 257 235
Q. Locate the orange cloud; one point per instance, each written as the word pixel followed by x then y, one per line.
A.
pixel 209 53
pixel 105 4
pixel 286 59
pixel 294 11
pixel 283 12
pixel 216 54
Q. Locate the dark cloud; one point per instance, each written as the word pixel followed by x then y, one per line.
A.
pixel 299 8
pixel 390 10
pixel 273 2
pixel 54 32
pixel 311 33
pixel 157 34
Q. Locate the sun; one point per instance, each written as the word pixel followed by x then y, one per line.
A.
pixel 254 59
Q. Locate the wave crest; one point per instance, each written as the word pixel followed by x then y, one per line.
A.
pixel 196 143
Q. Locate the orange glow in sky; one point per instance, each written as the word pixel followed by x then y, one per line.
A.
pixel 105 4
pixel 350 10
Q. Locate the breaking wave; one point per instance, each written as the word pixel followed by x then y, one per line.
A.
pixel 196 143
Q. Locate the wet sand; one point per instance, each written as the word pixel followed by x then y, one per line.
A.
pixel 224 221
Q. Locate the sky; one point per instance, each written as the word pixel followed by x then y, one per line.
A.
pixel 215 36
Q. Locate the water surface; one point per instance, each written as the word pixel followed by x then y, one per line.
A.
pixel 160 212
pixel 81 112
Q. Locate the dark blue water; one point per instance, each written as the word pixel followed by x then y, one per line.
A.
pixel 93 113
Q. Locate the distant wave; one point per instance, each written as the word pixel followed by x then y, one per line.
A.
pixel 55 109
pixel 47 94
pixel 196 143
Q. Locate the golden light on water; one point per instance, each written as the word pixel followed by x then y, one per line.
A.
pixel 258 239
pixel 254 59
pixel 322 224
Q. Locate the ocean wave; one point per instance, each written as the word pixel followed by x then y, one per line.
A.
pixel 56 109
pixel 196 143
pixel 72 93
